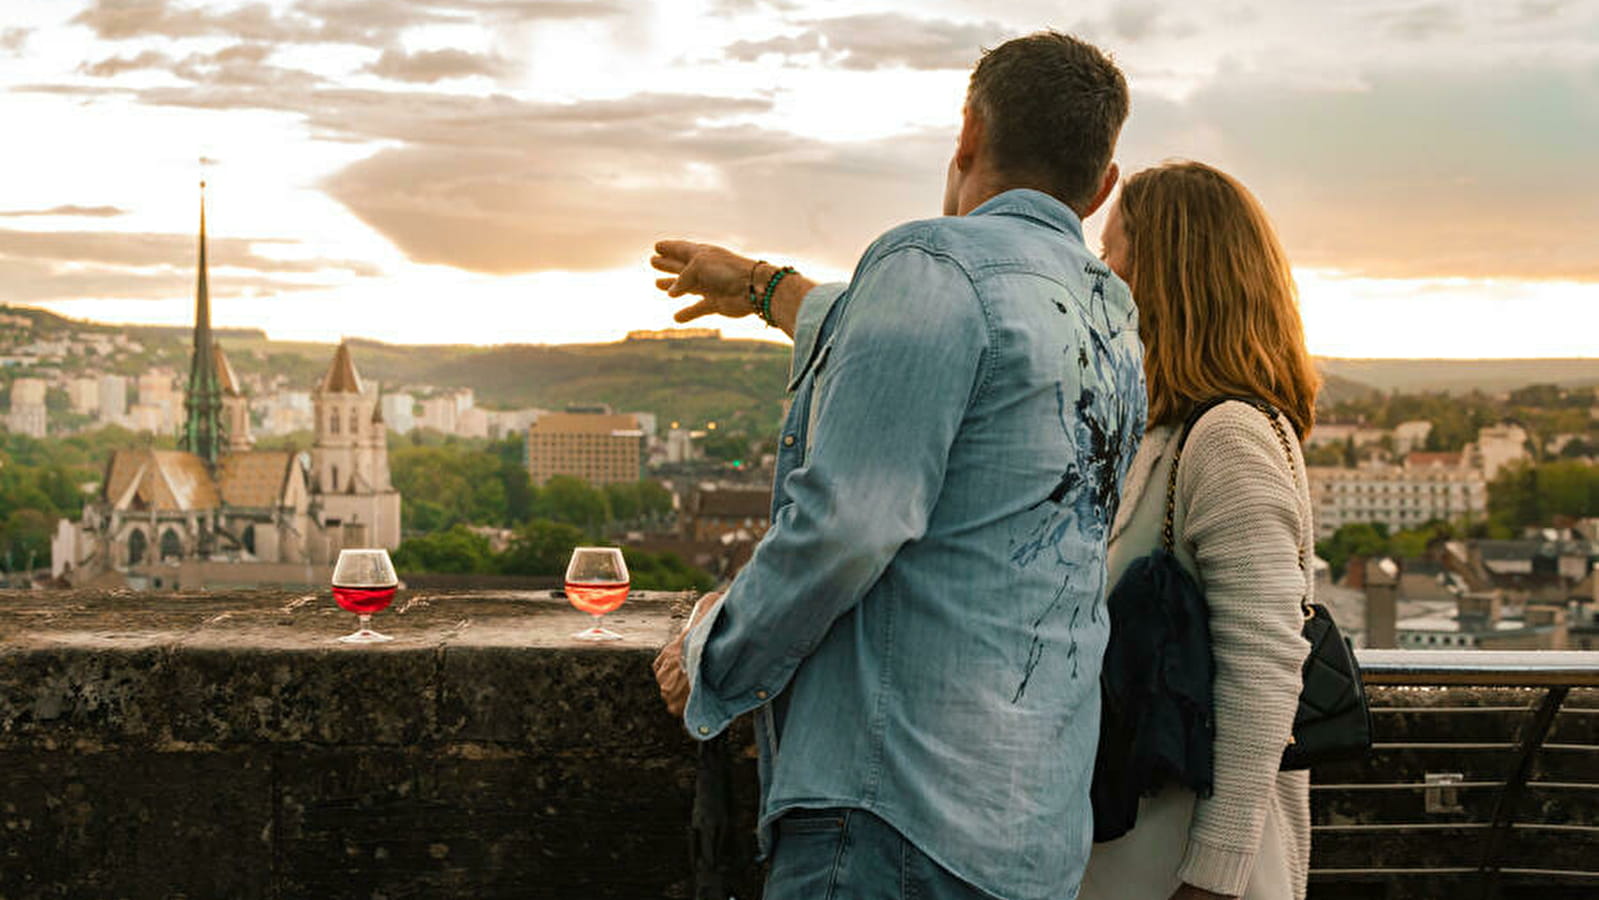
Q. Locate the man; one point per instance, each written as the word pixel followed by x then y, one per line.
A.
pixel 920 631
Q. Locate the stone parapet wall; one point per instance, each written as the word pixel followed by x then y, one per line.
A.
pixel 225 746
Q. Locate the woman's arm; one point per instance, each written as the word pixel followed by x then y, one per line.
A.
pixel 1244 526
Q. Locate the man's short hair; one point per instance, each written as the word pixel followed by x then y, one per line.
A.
pixel 1052 107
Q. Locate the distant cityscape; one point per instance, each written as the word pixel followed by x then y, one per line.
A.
pixel 1470 522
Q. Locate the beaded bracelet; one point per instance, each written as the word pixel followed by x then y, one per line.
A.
pixel 771 290
pixel 755 300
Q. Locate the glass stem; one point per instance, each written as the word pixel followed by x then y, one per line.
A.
pixel 366 621
pixel 599 621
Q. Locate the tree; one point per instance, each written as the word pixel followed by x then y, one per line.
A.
pixel 541 547
pixel 655 501
pixel 573 501
pixel 623 498
pixel 1529 495
pixel 1354 539
pixel 457 551
pixel 26 536
pixel 444 485
pixel 665 572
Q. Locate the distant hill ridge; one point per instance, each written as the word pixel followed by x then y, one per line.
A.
pixel 698 378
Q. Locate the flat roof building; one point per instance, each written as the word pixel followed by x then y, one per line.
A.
pixel 599 448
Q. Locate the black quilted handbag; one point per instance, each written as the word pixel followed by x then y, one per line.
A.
pixel 1333 722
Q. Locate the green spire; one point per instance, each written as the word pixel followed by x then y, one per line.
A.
pixel 203 429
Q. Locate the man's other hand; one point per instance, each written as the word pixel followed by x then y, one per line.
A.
pixel 720 276
pixel 669 673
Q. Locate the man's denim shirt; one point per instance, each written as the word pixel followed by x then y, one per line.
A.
pixel 921 629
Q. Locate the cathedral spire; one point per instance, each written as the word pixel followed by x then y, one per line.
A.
pixel 202 403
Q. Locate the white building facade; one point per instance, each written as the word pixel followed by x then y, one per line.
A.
pixel 1395 496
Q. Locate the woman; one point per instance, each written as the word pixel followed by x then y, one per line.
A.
pixel 1218 316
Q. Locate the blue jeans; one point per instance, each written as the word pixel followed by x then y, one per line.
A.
pixel 850 854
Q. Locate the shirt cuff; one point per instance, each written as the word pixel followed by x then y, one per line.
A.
pixel 813 311
pixel 707 714
pixel 1215 869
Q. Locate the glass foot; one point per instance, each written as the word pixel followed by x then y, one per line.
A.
pixel 365 636
pixel 596 634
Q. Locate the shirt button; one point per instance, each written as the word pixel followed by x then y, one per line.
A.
pixel 705 729
pixel 761 695
pixel 788 440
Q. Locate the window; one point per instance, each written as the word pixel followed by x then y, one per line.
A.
pixel 138 545
pixel 335 480
pixel 333 422
pixel 171 544
pixel 249 539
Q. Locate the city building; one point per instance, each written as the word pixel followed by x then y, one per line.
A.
pixel 399 412
pixel 113 406
pixel 717 513
pixel 439 414
pixel 504 423
pixel 1397 496
pixel 217 513
pixel 286 412
pixel 1340 433
pixel 1411 436
pixel 472 423
pixel 28 414
pixel 83 396
pixel 159 408
pixel 1499 446
pixel 678 446
pixel 677 334
pixel 598 447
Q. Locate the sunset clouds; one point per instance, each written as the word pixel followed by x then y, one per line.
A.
pixel 364 143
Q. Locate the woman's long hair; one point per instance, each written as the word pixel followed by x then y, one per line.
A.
pixel 1217 307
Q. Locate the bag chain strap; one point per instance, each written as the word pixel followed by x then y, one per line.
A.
pixel 1171 499
pixel 1293 473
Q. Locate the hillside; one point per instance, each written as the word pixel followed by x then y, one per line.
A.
pixel 738 383
pixel 1460 376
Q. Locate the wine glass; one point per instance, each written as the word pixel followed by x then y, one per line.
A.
pixel 596 583
pixel 363 583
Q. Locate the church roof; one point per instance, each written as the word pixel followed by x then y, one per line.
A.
pixel 255 478
pixel 341 377
pixel 226 379
pixel 160 480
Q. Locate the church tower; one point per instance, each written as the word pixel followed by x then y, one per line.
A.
pixel 350 460
pixel 203 429
pixel 235 406
pixel 340 460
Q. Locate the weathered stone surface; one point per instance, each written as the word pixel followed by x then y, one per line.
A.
pixel 110 824
pixel 227 746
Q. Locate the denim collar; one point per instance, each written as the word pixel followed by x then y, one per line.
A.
pixel 1027 203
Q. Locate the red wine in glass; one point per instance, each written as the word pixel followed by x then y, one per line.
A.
pixel 597 583
pixel 364 600
pixel 364 582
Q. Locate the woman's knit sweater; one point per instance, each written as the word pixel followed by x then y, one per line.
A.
pixel 1241 518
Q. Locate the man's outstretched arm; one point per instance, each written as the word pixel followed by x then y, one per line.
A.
pixel 892 390
pixel 723 280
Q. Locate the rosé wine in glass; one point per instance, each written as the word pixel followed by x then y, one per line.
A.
pixel 597 583
pixel 364 582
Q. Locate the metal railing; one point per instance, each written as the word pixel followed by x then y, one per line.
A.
pixel 1483 780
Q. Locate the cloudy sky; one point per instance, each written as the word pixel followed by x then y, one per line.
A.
pixel 492 171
